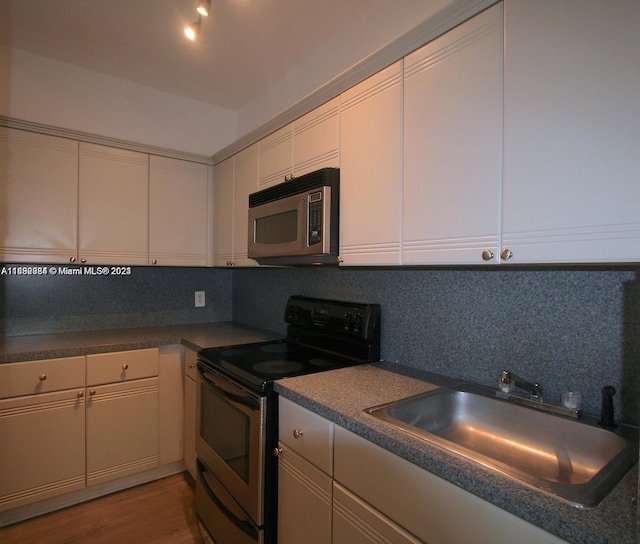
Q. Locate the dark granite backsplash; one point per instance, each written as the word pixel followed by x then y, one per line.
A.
pixel 566 328
pixel 149 296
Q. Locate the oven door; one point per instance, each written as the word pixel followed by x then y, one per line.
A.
pixel 230 441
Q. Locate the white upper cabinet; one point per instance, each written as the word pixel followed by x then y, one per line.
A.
pixel 113 211
pixel 223 213
pixel 453 145
pixel 245 183
pixel 234 180
pixel 316 139
pixel 178 197
pixel 276 157
pixel 38 197
pixel 572 131
pixel 309 143
pixel 371 170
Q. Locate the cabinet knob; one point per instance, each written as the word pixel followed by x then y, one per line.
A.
pixel 191 365
pixel 506 254
pixel 154 261
pixel 83 261
pixel 297 433
pixel 42 377
pixel 277 451
pixel 92 392
pixel 80 394
pixel 72 259
pixel 125 366
pixel 487 255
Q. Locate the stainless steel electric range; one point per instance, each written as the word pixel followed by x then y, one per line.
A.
pixel 237 417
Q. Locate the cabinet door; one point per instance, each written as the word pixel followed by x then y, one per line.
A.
pixel 316 139
pixel 245 179
pixel 190 411
pixel 276 157
pixel 122 430
pixel 177 212
pixel 355 522
pixel 572 127
pixel 42 453
pixel 38 197
pixel 453 145
pixel 371 170
pixel 304 501
pixel 113 217
pixel 223 213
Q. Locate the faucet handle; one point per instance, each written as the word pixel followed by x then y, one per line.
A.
pixel 505 377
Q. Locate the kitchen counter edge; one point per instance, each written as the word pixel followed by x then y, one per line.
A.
pixel 15 349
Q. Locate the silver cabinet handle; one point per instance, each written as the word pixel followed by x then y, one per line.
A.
pixel 125 366
pixel 154 261
pixel 506 254
pixel 83 261
pixel 487 255
pixel 297 433
pixel 277 451
pixel 72 260
pixel 42 377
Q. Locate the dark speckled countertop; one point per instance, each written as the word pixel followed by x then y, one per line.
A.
pixel 342 395
pixel 196 336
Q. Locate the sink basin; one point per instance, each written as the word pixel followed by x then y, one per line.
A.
pixel 574 460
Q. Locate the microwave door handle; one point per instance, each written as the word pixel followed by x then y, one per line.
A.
pixel 245 400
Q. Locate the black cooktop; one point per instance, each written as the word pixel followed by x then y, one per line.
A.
pixel 321 335
pixel 258 365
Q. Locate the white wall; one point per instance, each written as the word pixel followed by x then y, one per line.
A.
pixel 37 89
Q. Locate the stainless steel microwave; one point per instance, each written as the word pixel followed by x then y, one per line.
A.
pixel 296 222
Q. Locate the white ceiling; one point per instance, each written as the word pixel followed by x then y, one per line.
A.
pixel 245 46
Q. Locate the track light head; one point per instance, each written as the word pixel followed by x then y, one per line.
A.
pixel 203 7
pixel 191 31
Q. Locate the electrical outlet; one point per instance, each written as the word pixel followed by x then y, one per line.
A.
pixel 199 299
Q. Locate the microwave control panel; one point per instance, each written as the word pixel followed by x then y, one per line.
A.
pixel 314 235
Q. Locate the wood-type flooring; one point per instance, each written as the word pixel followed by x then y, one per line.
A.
pixel 158 512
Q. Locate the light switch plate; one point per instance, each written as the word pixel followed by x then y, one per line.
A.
pixel 199 298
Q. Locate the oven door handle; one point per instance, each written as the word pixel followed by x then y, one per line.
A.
pixel 226 391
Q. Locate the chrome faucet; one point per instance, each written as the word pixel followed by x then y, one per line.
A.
pixel 509 381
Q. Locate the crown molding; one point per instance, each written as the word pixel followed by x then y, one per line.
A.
pixel 31 126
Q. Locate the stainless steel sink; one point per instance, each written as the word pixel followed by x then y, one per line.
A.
pixel 574 460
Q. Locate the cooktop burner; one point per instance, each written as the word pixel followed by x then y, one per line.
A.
pixel 321 335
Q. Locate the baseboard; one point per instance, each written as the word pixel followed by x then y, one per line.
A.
pixel 51 505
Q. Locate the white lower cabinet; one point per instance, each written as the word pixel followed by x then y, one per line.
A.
pixel 355 522
pixel 70 425
pixel 41 447
pixel 304 499
pixel 189 425
pixel 305 467
pixel 337 487
pixel 426 506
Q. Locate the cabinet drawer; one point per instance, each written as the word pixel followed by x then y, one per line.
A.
pixel 32 377
pixel 307 434
pixel 121 366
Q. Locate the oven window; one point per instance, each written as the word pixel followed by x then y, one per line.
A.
pixel 227 431
pixel 277 229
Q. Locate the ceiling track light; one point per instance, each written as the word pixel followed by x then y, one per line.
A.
pixel 203 7
pixel 191 31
